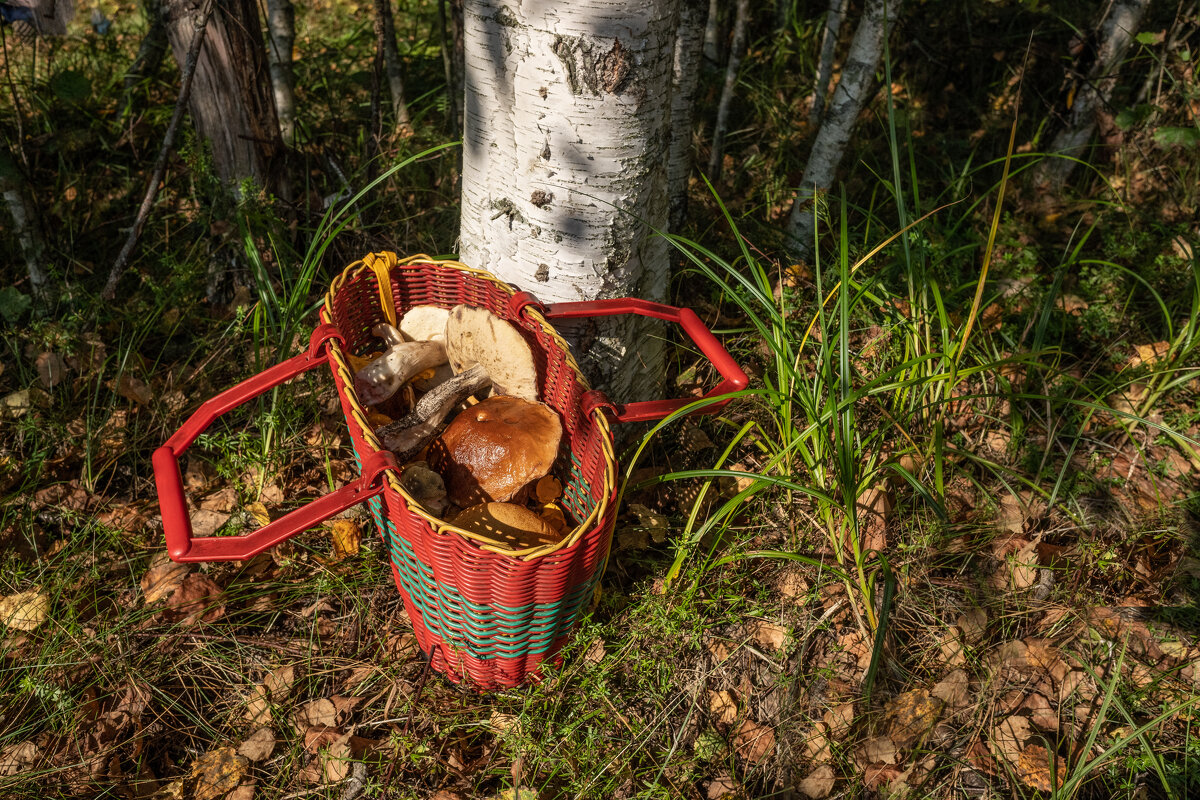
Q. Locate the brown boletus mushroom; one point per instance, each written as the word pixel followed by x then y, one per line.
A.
pixel 425 486
pixel 507 524
pixel 477 336
pixel 496 448
pixel 483 350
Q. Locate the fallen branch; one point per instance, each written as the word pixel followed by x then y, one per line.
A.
pixel 160 164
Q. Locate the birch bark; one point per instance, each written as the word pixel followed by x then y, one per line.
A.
pixel 853 89
pixel 27 228
pixel 829 40
pixel 737 49
pixel 689 42
pixel 281 39
pixel 1116 34
pixel 565 162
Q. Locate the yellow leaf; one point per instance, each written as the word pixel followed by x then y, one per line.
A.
pixel 346 536
pixel 24 611
pixel 260 513
pixel 217 772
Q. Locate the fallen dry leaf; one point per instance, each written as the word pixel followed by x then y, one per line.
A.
pixel 206 522
pixel 259 513
pixel 911 715
pixel 980 758
pixel 1008 737
pixel 132 389
pixel 243 792
pixel 953 689
pixel 24 611
pixel 279 681
pixel 1012 657
pixel 51 369
pixel 502 723
pixel 879 750
pixel 320 713
pixel 819 783
pixel 162 578
pixel 258 708
pixel 723 707
pixel 217 772
pixel 1034 768
pixel 839 719
pixel 754 742
pixel 197 599
pixel 951 649
pixel 18 758
pixel 724 787
pixel 1148 354
pixel 768 635
pixel 1042 716
pixel 874 512
pixel 259 746
pixel 793 584
pixel 817 746
pixel 346 535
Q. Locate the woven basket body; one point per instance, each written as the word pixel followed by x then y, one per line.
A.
pixel 485 616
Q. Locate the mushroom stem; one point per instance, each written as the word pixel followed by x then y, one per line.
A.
pixel 384 376
pixel 406 436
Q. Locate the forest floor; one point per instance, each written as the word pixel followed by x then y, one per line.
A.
pixel 949 565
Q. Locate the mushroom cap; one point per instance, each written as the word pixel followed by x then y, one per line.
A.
pixel 477 336
pixel 424 323
pixel 507 524
pixel 495 448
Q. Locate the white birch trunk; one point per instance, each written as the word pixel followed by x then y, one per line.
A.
pixel 736 50
pixel 565 162
pixel 689 41
pixel 27 229
pixel 1116 34
pixel 281 39
pixel 712 33
pixel 853 89
pixel 829 40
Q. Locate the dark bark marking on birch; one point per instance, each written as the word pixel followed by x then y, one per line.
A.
pixel 589 67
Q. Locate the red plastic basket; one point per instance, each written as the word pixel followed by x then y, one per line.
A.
pixel 484 614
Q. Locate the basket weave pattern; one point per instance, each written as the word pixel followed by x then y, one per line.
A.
pixel 485 615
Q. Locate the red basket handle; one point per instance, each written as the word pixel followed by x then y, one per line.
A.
pixel 177 525
pixel 647 410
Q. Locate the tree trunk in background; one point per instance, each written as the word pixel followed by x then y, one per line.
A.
pixel 853 90
pixel 712 33
pixel 452 69
pixel 1115 35
pixel 27 227
pixel 150 53
pixel 689 42
pixel 829 40
pixel 565 163
pixel 231 103
pixel 281 39
pixel 386 30
pixel 736 50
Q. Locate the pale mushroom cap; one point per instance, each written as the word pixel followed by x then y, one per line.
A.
pixel 477 336
pixel 425 323
pixel 493 450
pixel 507 524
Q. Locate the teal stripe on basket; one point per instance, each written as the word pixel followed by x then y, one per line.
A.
pixel 474 626
pixel 477 627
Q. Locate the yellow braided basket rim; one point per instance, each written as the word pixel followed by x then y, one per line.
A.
pixel 388 260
